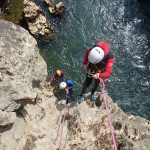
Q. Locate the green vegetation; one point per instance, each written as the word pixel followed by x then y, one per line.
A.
pixel 13 12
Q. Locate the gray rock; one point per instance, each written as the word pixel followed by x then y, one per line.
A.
pixel 1 76
pixel 37 23
pixel 22 67
pixel 59 9
pixel 37 123
pixel 7 118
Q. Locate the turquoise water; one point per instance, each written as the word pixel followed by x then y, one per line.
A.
pixel 124 27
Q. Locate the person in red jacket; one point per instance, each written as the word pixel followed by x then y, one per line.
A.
pixel 100 65
pixel 58 74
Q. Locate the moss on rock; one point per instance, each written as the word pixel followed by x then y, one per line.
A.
pixel 12 11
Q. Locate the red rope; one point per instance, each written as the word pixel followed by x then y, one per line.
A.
pixel 63 122
pixel 102 85
pixel 111 129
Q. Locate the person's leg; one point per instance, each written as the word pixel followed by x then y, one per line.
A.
pixel 96 84
pixel 71 91
pixel 85 85
pixel 68 97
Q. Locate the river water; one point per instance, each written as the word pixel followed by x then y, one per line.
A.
pixel 119 22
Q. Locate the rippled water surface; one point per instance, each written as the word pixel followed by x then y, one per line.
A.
pixel 122 24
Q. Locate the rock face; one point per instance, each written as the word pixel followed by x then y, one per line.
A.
pixel 88 127
pixel 37 23
pixel 21 67
pixel 55 9
pixel 31 116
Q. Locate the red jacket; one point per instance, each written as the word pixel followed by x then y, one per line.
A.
pixel 61 76
pixel 108 59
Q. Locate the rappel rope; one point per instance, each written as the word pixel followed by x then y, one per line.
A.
pixel 63 122
pixel 102 85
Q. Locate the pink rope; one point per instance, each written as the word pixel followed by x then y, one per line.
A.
pixel 63 123
pixel 111 129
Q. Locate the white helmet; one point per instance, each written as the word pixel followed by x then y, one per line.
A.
pixel 96 55
pixel 62 85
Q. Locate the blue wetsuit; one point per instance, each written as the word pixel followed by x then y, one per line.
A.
pixel 70 86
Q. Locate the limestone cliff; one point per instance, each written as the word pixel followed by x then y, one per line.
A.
pixel 31 117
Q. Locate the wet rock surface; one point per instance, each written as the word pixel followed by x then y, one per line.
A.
pixel 55 9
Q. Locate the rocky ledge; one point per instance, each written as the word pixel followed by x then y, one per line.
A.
pixel 31 116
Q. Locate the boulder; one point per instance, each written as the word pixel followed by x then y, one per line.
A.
pixel 7 118
pixel 37 23
pixel 55 9
pixel 58 9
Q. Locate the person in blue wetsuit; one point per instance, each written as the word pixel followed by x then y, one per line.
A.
pixel 68 86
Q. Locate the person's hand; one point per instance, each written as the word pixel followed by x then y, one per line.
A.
pixel 85 67
pixel 96 76
pixel 49 83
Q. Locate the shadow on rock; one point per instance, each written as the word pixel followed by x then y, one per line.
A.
pixel 6 128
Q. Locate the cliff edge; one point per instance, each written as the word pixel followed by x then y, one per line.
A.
pixel 31 116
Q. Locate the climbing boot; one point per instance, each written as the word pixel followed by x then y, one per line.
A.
pixel 93 97
pixel 68 97
pixel 73 97
pixel 80 98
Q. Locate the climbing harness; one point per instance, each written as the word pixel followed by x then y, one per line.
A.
pixel 102 85
pixel 63 122
pixel 83 75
